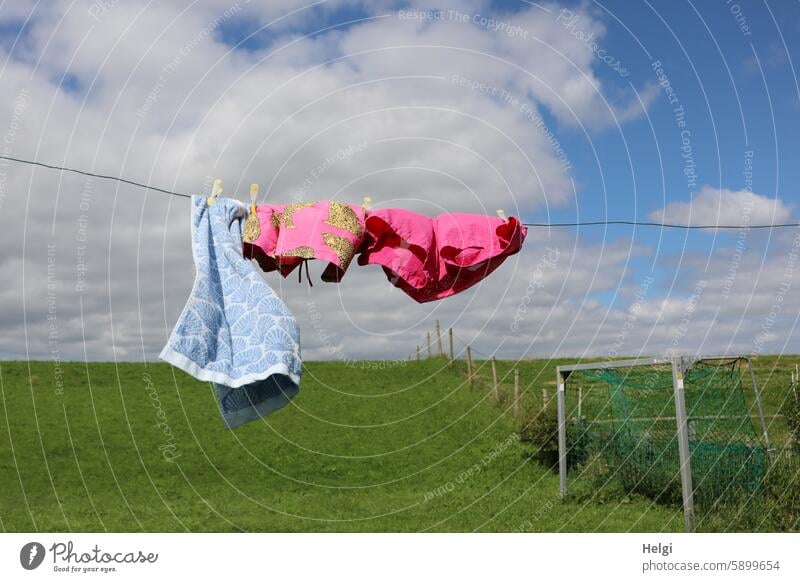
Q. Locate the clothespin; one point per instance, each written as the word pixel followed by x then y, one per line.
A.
pixel 252 226
pixel 253 196
pixel 216 190
pixel 501 213
pixel 367 202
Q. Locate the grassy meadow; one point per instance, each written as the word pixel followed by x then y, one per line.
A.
pixel 364 447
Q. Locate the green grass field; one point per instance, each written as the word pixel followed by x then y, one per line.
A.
pixel 105 447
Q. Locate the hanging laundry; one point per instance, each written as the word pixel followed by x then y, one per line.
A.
pixel 234 330
pixel 434 258
pixel 281 237
pixel 428 258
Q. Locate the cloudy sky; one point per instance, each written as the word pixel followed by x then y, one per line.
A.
pixel 666 111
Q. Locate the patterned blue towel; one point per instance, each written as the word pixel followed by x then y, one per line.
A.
pixel 234 330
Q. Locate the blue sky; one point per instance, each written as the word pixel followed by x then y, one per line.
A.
pixel 737 87
pixel 178 95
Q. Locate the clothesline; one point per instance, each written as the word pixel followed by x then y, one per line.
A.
pixel 528 224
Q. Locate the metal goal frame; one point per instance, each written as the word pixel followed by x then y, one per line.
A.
pixel 680 365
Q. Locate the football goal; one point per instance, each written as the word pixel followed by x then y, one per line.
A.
pixel 677 430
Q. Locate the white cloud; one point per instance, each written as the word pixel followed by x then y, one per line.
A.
pixel 159 100
pixel 717 206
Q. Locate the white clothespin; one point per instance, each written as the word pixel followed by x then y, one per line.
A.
pixel 216 190
pixel 367 202
pixel 501 213
pixel 253 196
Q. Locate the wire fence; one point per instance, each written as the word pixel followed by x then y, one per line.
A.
pixel 501 379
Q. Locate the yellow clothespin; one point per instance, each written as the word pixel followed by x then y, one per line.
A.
pixel 501 213
pixel 252 227
pixel 367 202
pixel 253 196
pixel 216 190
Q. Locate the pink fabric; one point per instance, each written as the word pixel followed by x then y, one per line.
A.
pixel 428 258
pixel 291 233
pixel 434 258
pixel 263 248
pixel 401 242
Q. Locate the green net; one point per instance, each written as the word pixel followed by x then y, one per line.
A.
pixel 621 426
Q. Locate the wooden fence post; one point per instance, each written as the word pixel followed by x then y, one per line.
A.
pixel 795 380
pixel 545 398
pixel 516 392
pixel 418 353
pixel 495 387
pixel 469 365
pixel 439 338
pixel 428 341
pixel 450 333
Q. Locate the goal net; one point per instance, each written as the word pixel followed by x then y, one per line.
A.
pixel 624 423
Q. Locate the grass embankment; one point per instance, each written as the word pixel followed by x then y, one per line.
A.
pixel 412 448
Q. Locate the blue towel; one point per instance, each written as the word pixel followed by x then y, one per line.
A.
pixel 234 330
pixel 251 402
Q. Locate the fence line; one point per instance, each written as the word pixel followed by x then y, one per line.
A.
pixel 473 368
